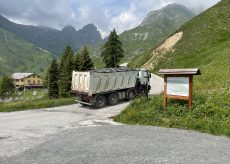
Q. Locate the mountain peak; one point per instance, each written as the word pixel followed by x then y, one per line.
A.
pixel 90 26
pixel 90 32
pixel 69 29
pixel 173 5
pixel 176 6
pixel 170 12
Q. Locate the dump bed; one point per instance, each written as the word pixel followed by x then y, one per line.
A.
pixel 103 80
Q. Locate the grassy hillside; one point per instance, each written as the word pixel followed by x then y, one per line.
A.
pixel 17 55
pixel 156 26
pixel 205 44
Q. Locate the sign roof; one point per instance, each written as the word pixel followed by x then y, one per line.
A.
pixel 190 71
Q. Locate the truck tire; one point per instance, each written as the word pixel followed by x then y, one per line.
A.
pixel 130 94
pixel 100 101
pixel 113 99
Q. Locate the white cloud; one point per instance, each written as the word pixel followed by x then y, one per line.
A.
pixel 104 14
pixel 125 20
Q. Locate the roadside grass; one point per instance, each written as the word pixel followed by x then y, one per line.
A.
pixel 35 104
pixel 29 94
pixel 203 117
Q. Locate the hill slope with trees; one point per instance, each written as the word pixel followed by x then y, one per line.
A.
pixel 19 55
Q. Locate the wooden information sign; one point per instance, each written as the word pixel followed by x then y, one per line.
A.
pixel 178 84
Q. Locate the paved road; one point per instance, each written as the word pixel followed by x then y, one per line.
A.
pixel 127 144
pixel 70 133
pixel 26 129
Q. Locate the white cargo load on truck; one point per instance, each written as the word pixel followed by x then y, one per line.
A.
pixel 103 80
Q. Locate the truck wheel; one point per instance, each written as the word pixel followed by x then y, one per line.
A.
pixel 100 101
pixel 113 99
pixel 131 94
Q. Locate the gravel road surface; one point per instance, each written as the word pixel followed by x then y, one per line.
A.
pixel 77 134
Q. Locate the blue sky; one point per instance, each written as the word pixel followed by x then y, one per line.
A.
pixel 104 14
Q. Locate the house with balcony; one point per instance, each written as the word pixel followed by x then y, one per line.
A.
pixel 27 80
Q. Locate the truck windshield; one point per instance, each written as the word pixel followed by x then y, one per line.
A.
pixel 145 73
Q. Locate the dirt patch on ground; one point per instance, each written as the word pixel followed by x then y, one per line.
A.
pixel 163 48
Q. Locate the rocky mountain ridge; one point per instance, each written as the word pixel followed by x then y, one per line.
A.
pixel 51 39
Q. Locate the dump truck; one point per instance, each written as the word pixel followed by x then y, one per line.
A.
pixel 106 86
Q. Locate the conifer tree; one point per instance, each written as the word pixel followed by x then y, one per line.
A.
pixel 52 79
pixel 77 62
pixel 112 51
pixel 6 87
pixel 65 72
pixel 86 61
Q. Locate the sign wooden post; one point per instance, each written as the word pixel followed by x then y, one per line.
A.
pixel 178 84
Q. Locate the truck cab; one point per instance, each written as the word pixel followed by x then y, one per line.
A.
pixel 144 76
pixel 144 81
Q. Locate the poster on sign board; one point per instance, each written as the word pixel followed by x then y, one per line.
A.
pixel 178 86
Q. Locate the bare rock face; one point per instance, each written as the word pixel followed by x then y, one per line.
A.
pixel 169 43
pixel 165 47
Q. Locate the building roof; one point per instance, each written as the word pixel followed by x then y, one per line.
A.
pixel 191 71
pixel 20 75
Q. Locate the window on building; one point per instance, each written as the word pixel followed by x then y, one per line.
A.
pixel 17 80
pixel 22 80
pixel 33 81
pixel 28 81
pixel 38 81
pixel 33 76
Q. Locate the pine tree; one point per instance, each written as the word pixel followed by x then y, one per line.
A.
pixel 52 79
pixel 6 87
pixel 112 51
pixel 65 72
pixel 86 61
pixel 77 62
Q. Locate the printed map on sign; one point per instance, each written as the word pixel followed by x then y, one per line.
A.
pixel 178 86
